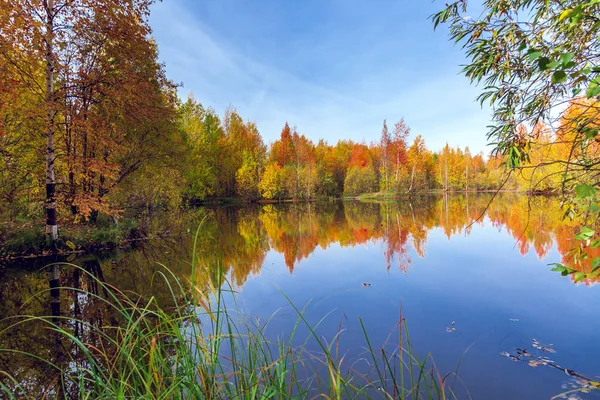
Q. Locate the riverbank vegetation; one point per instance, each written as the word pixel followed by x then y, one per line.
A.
pixel 200 346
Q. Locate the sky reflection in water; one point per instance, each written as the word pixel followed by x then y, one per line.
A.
pixel 421 258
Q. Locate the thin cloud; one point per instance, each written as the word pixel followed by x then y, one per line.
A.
pixel 435 101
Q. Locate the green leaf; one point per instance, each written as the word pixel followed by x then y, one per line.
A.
pixel 543 63
pixel 534 55
pixel 576 91
pixel 595 244
pixel 579 276
pixel 553 65
pixel 594 89
pixel 590 133
pixel 566 58
pixel 558 268
pixel 585 233
pixel 559 77
pixel 583 191
pixel 595 264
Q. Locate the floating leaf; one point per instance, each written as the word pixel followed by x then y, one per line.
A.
pixel 542 347
pixel 510 356
pixel 536 362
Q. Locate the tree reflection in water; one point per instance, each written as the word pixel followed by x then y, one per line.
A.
pixel 238 240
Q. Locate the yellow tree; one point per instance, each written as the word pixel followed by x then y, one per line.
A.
pixel 270 183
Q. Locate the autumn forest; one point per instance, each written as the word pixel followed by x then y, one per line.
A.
pixel 91 125
pixel 272 226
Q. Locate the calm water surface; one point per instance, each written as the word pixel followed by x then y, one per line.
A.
pixel 470 289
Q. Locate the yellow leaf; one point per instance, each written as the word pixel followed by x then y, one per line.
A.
pixel 564 14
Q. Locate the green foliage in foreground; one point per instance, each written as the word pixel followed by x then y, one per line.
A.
pixel 537 62
pixel 203 350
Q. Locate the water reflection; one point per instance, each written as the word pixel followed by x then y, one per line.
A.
pixel 238 241
pixel 240 238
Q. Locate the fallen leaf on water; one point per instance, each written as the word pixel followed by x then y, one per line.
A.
pixel 510 356
pixel 535 363
pixel 539 346
pixel 366 284
pixel 524 352
pixel 448 329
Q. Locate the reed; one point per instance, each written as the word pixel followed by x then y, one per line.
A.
pixel 203 347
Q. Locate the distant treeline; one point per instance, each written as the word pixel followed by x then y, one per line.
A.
pixel 231 160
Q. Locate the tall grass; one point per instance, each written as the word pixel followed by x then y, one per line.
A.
pixel 202 348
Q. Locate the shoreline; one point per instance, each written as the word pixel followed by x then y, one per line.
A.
pixel 82 239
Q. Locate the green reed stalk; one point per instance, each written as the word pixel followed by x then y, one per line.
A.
pixel 200 348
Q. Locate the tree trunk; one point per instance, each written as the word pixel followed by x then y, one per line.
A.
pixel 447 175
pixel 59 361
pixel 309 180
pixel 51 225
pixel 466 177
pixel 386 186
pixel 412 179
pixel 296 196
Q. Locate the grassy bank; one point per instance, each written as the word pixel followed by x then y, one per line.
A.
pixel 29 240
pixel 25 238
pixel 203 349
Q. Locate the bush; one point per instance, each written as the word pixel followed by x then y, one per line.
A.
pixel 360 180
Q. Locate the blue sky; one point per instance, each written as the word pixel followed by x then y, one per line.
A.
pixel 333 68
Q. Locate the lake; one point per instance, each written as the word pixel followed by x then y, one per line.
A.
pixel 470 277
